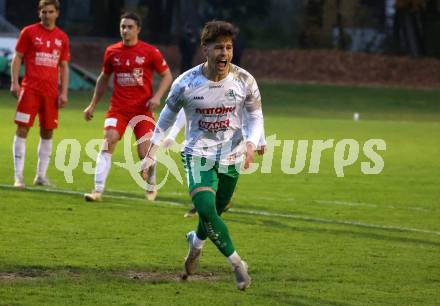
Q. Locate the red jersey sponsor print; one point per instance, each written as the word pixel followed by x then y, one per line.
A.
pixel 133 68
pixel 43 51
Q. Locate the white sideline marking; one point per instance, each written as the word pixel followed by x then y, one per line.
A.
pixel 246 211
pixel 346 203
pixel 369 205
pixel 330 221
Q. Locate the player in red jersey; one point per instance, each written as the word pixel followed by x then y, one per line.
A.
pixel 133 63
pixel 44 49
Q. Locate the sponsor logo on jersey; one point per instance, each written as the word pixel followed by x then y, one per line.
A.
pixel 215 86
pixel 38 41
pixel 116 61
pixel 230 95
pixel 47 59
pixel 215 126
pixel 199 98
pixel 138 74
pixel 215 110
pixel 135 78
pixel 58 42
pixel 140 60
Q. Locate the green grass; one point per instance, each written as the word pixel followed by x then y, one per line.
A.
pixel 356 240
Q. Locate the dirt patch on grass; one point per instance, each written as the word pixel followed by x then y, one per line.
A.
pixel 32 274
pixel 159 277
pixel 25 274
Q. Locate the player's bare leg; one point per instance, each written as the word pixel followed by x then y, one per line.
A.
pixel 151 193
pixel 44 153
pixel 103 165
pixel 19 153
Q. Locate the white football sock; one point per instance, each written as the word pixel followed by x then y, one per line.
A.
pixel 103 165
pixel 234 259
pixel 44 152
pixel 19 152
pixel 197 242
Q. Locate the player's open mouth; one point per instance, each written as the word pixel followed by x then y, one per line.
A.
pixel 222 64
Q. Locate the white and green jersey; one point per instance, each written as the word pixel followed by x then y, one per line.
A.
pixel 214 114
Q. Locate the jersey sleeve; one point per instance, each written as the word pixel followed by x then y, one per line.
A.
pixel 178 125
pixel 107 66
pixel 65 53
pixel 158 62
pixel 23 42
pixel 253 97
pixel 176 97
pixel 254 121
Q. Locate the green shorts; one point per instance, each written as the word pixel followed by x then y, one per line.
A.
pixel 203 172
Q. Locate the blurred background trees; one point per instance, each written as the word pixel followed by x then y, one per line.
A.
pixel 404 27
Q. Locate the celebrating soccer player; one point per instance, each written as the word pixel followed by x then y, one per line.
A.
pixel 170 139
pixel 44 48
pixel 133 63
pixel 213 96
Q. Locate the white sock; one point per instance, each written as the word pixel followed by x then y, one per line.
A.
pixel 19 152
pixel 44 152
pixel 234 259
pixel 103 165
pixel 197 242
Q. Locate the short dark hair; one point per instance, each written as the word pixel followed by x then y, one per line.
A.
pixel 215 29
pixel 43 3
pixel 132 16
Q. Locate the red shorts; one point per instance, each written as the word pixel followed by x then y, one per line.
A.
pixel 30 104
pixel 142 124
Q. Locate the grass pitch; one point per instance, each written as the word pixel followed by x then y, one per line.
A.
pixel 309 239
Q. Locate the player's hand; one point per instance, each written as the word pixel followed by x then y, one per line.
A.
pixel 62 100
pixel 15 89
pixel 261 150
pixel 146 164
pixel 88 112
pixel 249 155
pixel 168 142
pixel 153 103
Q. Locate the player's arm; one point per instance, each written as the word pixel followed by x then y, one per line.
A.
pixel 167 118
pixel 64 80
pixel 175 130
pixel 255 124
pixel 166 78
pixel 262 144
pixel 254 121
pixel 100 88
pixel 15 73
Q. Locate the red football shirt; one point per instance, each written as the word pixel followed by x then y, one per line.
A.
pixel 43 51
pixel 133 68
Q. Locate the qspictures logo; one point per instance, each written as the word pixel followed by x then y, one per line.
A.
pixel 278 153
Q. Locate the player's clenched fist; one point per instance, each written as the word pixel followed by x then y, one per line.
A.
pixel 15 89
pixel 88 113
